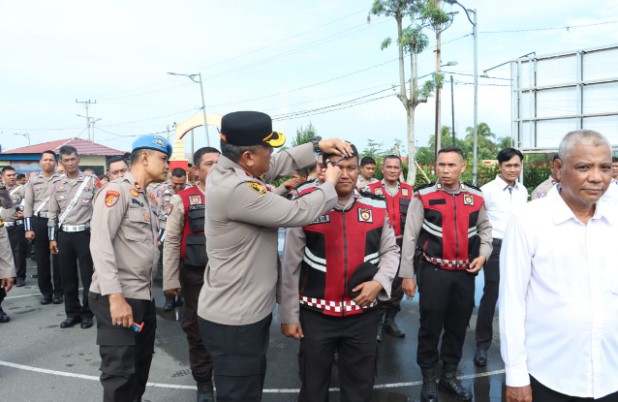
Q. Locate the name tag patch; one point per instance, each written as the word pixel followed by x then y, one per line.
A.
pixel 365 215
pixel 321 219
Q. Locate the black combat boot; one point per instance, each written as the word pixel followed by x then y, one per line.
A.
pixel 429 391
pixel 205 392
pixel 391 327
pixel 449 382
pixel 170 303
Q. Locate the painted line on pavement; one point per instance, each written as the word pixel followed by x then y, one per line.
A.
pixel 193 387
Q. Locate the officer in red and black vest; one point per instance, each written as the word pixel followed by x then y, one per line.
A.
pixel 398 196
pixel 184 262
pixel 333 271
pixel 446 241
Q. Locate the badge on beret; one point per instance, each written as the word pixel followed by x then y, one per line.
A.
pixel 365 215
pixel 404 192
pixel 257 187
pixel 134 192
pixel 111 198
pixel 468 199
pixel 195 200
pixel 378 191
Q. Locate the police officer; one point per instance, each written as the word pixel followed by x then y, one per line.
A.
pixel 70 211
pixel 184 262
pixel 13 218
pixel 124 248
pixel 242 220
pixel 116 167
pixel 447 240
pixel 398 197
pixel 7 263
pixel 36 203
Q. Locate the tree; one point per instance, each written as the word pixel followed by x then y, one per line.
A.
pixel 487 149
pixel 411 41
pixel 304 135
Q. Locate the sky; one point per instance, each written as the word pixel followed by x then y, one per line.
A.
pixel 300 61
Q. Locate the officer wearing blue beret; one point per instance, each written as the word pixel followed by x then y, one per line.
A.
pixel 124 248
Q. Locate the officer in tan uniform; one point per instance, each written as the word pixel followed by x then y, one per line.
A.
pixel 36 203
pixel 124 248
pixel 13 218
pixel 184 262
pixel 242 220
pixel 7 264
pixel 70 211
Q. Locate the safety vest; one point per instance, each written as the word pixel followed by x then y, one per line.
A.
pixel 337 242
pixel 397 205
pixel 193 242
pixel 448 237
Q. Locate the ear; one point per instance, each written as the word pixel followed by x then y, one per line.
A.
pixel 558 168
pixel 247 158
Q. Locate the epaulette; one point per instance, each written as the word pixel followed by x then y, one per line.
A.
pixel 433 183
pixel 473 189
pixel 369 194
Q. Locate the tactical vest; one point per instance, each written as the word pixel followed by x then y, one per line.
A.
pixel 448 237
pixel 397 205
pixel 193 242
pixel 337 242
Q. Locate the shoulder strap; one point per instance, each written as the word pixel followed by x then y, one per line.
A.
pixel 73 201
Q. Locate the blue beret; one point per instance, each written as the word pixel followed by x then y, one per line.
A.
pixel 153 141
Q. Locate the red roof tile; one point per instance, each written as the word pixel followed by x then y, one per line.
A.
pixel 84 147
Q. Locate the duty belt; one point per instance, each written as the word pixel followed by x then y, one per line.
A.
pixel 42 215
pixel 14 223
pixel 450 265
pixel 75 228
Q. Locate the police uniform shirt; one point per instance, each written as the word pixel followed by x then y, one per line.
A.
pixel 123 240
pixel 162 193
pixel 64 191
pixel 543 189
pixel 9 214
pixel 242 221
pixel 37 192
pixel 171 245
pixel 7 264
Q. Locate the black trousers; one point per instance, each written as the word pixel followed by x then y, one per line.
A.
pixel 49 285
pixel 354 339
pixel 239 356
pixel 191 281
pixel 446 302
pixel 394 303
pixel 125 355
pixel 74 248
pixel 19 247
pixel 484 322
pixel 541 393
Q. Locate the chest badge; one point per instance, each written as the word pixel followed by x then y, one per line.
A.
pixel 468 199
pixel 378 191
pixel 195 200
pixel 365 215
pixel 404 192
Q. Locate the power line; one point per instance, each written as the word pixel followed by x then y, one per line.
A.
pixel 567 27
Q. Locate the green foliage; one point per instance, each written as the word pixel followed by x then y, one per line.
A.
pixel 304 135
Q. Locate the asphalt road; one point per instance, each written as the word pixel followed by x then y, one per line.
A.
pixel 39 361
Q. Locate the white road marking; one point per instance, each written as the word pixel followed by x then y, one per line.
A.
pixel 193 387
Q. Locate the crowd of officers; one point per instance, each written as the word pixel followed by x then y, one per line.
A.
pixel 354 245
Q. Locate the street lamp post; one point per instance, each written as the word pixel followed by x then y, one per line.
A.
pixel 198 79
pixel 473 21
pixel 26 135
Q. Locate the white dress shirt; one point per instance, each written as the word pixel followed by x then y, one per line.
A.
pixel 501 200
pixel 559 298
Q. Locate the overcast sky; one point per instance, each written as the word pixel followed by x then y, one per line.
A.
pixel 275 56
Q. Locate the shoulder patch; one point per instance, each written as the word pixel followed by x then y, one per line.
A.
pixel 257 187
pixel 374 196
pixel 471 187
pixel 111 198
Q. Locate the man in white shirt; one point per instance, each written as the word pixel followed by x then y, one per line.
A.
pixel 503 196
pixel 367 170
pixel 559 284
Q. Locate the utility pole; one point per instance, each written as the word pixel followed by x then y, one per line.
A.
pixel 437 142
pixel 86 105
pixel 453 111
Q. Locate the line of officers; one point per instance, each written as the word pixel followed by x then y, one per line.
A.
pixel 349 257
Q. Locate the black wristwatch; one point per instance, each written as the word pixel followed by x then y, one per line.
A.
pixel 316 143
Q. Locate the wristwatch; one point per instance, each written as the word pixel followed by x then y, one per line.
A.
pixel 316 143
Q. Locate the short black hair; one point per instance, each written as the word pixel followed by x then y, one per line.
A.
pixel 197 157
pixel 367 160
pixel 49 151
pixel 179 172
pixel 392 156
pixel 508 153
pixel 614 159
pixel 134 155
pixel 234 152
pixel 8 168
pixel 20 176
pixel 332 157
pixel 114 159
pixel 452 149
pixel 555 157
pixel 302 171
pixel 67 150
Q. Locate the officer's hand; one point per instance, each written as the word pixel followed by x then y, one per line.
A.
pixel 172 292
pixel 6 283
pixel 30 235
pixel 120 311
pixel 335 146
pixel 409 287
pixel 292 331
pixel 368 292
pixel 20 214
pixel 332 173
pixel 292 183
pixel 519 394
pixel 476 264
pixel 53 247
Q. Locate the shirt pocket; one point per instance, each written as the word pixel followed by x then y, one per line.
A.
pixel 139 228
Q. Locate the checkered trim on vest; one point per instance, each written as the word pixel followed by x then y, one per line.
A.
pixel 448 264
pixel 333 305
